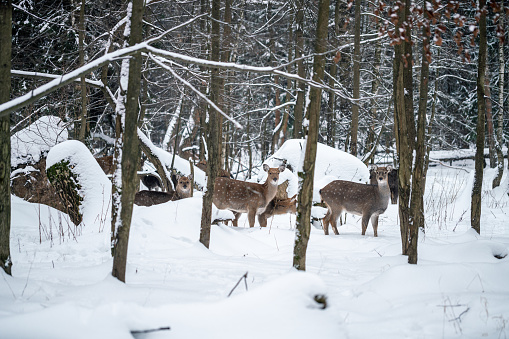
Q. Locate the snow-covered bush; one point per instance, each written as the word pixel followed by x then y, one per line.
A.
pixel 86 177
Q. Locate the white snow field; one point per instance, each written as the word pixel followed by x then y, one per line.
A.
pixel 62 287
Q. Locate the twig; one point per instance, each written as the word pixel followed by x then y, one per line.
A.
pixel 237 284
pixel 151 330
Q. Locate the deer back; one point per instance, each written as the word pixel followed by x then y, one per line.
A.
pixel 149 198
pixel 239 195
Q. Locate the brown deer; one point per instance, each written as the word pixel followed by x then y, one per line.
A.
pixel 149 198
pixel 366 200
pixel 246 197
pixel 278 207
pixel 151 181
pixel 183 189
pixel 392 180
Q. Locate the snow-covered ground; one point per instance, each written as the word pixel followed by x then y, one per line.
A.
pixel 62 288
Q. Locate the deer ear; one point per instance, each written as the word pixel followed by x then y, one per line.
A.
pixel 266 167
pixel 177 176
pixel 389 168
pixel 373 168
pixel 282 168
pixel 190 176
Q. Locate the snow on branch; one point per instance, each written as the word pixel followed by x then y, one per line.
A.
pixel 46 76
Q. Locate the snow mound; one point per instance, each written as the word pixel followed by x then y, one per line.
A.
pixel 95 185
pixel 331 164
pixel 29 144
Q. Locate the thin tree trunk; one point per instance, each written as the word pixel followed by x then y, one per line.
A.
pixel 301 87
pixel 130 150
pixel 356 79
pixel 213 141
pixel 306 176
pixel 375 84
pixel 430 123
pixel 81 42
pixel 489 120
pixel 500 115
pixel 475 215
pixel 331 121
pixel 404 127
pixel 417 199
pixel 5 135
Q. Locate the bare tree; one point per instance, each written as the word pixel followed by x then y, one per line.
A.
pixel 308 170
pixel 475 215
pixel 130 150
pixel 5 135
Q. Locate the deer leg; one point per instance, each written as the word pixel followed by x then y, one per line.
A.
pixel 236 220
pixel 251 216
pixel 334 223
pixel 262 220
pixel 326 221
pixel 365 221
pixel 374 223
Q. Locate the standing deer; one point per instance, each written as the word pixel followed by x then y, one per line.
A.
pixel 183 189
pixel 246 197
pixel 366 200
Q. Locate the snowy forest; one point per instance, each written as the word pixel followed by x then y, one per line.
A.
pixel 171 169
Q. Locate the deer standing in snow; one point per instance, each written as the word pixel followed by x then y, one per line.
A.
pixel 366 200
pixel 246 197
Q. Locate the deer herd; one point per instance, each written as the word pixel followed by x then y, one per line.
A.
pixel 259 199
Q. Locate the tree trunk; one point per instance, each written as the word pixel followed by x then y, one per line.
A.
pixel 356 79
pixel 5 135
pixel 130 150
pixel 305 198
pixel 375 84
pixel 81 41
pixel 404 126
pixel 489 120
pixel 213 141
pixel 475 216
pixel 331 121
pixel 417 199
pixel 301 87
pixel 500 115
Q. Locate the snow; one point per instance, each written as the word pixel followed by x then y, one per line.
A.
pixel 62 287
pixel 95 185
pixel 30 143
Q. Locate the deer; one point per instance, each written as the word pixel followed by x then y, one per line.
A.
pixel 366 200
pixel 392 180
pixel 278 207
pixel 183 189
pixel 246 197
pixel 151 182
pixel 149 198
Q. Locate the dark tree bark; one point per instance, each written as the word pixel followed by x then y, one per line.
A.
pixel 417 200
pixel 213 141
pixel 301 87
pixel 5 135
pixel 81 43
pixel 305 198
pixel 500 114
pixel 475 215
pixel 130 150
pixel 356 79
pixel 404 126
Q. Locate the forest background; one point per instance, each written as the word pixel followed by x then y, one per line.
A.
pixel 398 78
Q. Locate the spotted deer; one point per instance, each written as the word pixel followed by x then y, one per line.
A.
pixel 366 200
pixel 246 197
pixel 278 207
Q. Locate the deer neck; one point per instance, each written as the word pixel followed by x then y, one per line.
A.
pixel 270 189
pixel 384 191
